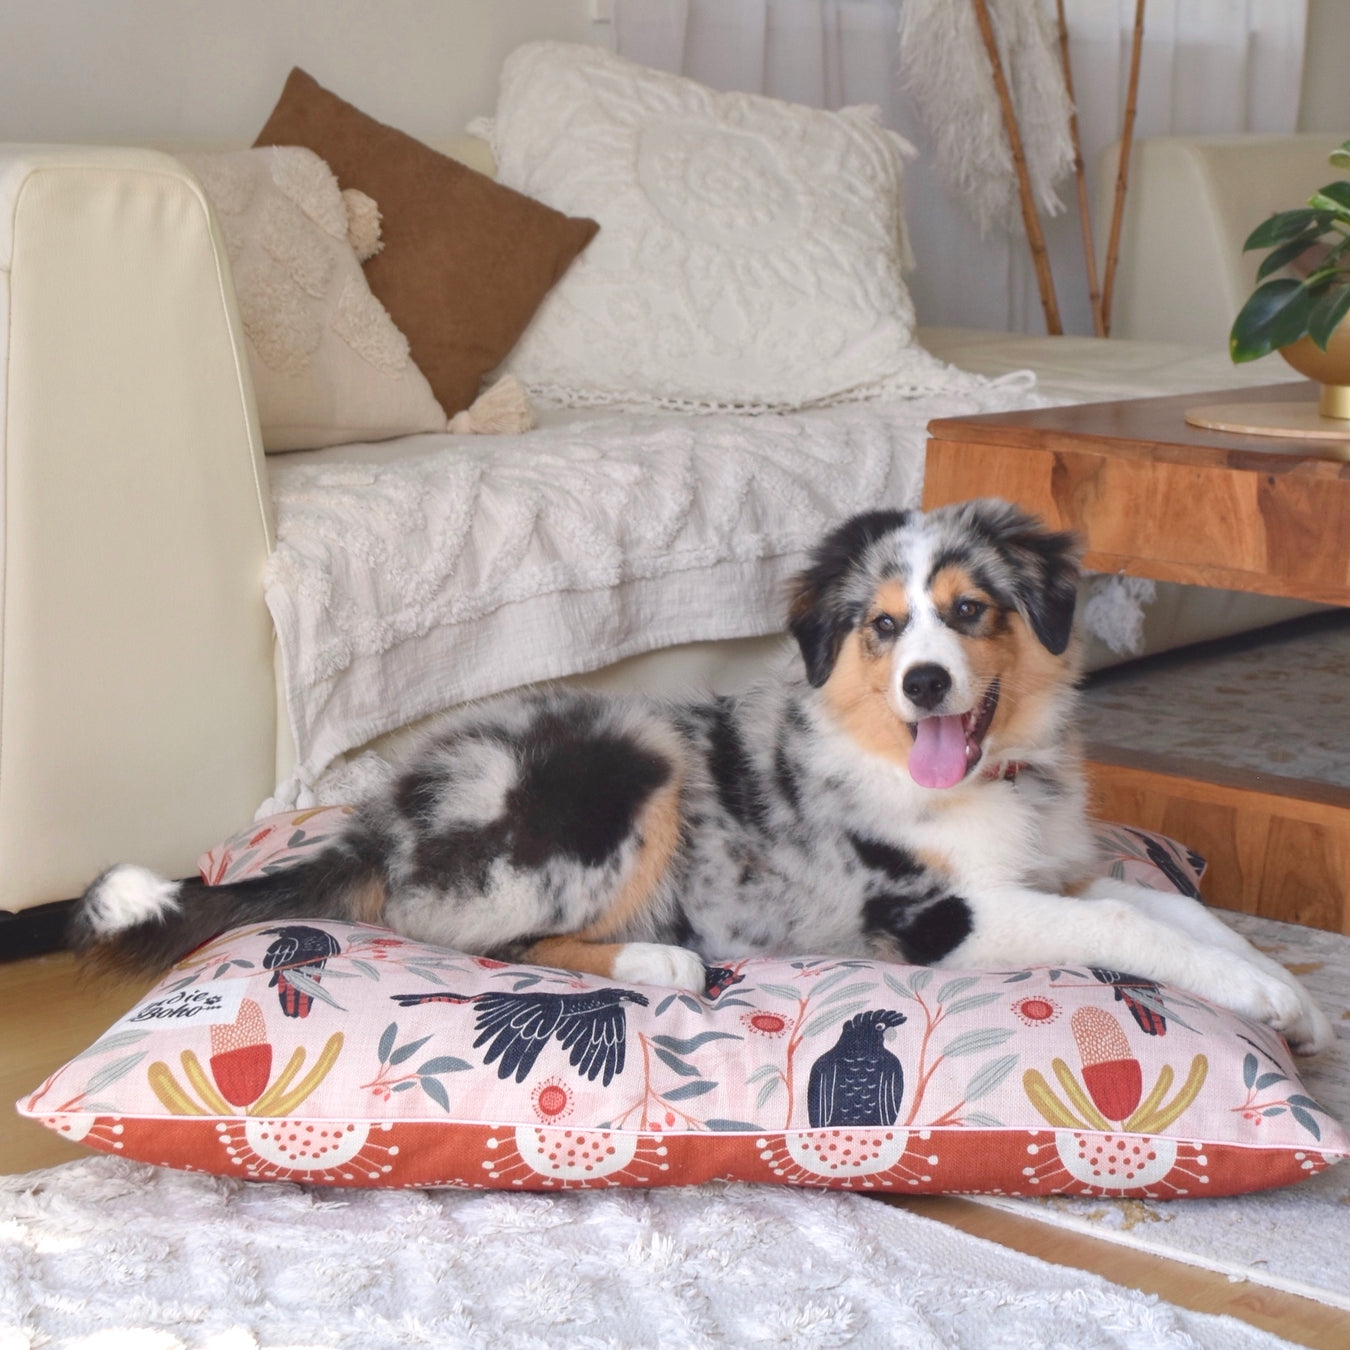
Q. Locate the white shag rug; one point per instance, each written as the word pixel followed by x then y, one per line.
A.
pixel 107 1254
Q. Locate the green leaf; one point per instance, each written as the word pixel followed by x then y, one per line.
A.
pixel 681 1094
pixel 688 1047
pixel 110 1073
pixel 1281 227
pixel 118 1041
pixel 764 1071
pixel 829 1017
pixel 739 1126
pixel 957 986
pixel 839 995
pixel 435 1089
pixel 989 1076
pixel 1327 314
pixel 407 1051
pixel 965 1005
pixel 766 1092
pixel 443 1064
pixel 1306 1121
pixel 387 1042
pixel 1249 1068
pixel 1340 157
pixel 1276 314
pixel 981 1038
pixel 1298 1099
pixel 680 1067
pixel 1333 197
pixel 1286 253
pixel 781 991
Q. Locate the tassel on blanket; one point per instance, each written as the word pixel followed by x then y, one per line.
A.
pixel 502 408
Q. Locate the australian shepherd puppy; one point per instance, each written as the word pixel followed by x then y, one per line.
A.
pixel 916 793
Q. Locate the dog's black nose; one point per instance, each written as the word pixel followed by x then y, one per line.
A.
pixel 926 686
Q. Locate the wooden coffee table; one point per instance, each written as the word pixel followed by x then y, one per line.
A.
pixel 1155 497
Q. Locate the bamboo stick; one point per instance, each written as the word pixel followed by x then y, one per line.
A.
pixel 1035 238
pixel 1080 177
pixel 1123 167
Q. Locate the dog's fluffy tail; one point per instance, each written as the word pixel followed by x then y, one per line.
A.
pixel 132 920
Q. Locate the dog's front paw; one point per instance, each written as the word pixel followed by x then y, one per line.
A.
pixel 657 963
pixel 1278 1000
pixel 1311 1031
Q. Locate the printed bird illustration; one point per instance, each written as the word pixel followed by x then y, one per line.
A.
pixel 592 1025
pixel 858 1081
pixel 298 951
pixel 719 980
pixel 1142 997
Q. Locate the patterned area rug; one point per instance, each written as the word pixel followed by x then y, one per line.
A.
pixel 1278 704
pixel 1296 1239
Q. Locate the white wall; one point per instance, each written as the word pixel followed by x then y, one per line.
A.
pixel 1325 101
pixel 211 70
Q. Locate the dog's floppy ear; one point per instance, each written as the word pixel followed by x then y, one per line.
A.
pixel 821 614
pixel 1044 568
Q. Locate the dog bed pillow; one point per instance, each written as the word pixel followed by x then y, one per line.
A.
pixel 342 1054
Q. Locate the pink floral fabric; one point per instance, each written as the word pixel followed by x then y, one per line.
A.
pixel 342 1054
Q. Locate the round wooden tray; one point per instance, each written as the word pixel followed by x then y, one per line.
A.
pixel 1294 421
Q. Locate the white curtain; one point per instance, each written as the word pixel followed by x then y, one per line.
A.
pixel 1207 66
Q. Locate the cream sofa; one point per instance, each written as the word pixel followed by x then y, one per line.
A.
pixel 141 714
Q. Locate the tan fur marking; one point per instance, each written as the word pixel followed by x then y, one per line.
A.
pixel 953 582
pixel 366 904
pixel 1030 676
pixel 856 688
pixel 936 862
pixel 856 695
pixel 658 830
pixel 575 953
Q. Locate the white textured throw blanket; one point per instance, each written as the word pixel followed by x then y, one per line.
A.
pixel 403 585
pixel 120 1256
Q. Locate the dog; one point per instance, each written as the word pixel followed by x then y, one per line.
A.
pixel 916 793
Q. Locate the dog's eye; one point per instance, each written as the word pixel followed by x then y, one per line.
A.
pixel 968 610
pixel 884 626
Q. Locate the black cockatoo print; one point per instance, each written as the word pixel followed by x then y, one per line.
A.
pixel 592 1025
pixel 719 980
pixel 301 950
pixel 858 1081
pixel 1142 997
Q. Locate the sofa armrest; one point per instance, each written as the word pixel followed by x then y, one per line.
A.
pixel 137 706
pixel 1191 203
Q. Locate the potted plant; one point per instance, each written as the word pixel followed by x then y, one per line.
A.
pixel 1298 315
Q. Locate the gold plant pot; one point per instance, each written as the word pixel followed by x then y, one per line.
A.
pixel 1330 368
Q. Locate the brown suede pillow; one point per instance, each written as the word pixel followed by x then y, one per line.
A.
pixel 465 262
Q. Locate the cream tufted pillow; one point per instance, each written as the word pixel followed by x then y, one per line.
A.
pixel 750 251
pixel 328 364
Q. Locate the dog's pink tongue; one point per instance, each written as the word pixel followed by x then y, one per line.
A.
pixel 938 759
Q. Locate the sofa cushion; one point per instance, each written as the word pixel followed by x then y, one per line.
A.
pixel 465 260
pixel 328 364
pixel 750 253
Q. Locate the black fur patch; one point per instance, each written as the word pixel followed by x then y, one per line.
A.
pixel 926 928
pixel 817 618
pixel 578 794
pixel 893 863
pixel 738 787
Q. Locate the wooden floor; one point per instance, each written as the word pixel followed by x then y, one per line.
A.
pixel 50 1010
